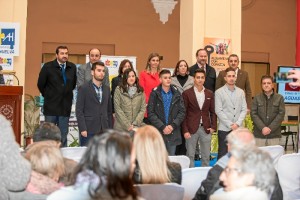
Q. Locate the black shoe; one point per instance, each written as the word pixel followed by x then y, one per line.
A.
pixel 197 157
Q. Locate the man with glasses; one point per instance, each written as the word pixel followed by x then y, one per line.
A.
pixel 240 138
pixel 249 174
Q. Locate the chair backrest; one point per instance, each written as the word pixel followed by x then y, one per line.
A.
pixel 192 179
pixel 74 153
pixel 275 152
pixel 288 172
pixel 184 161
pixel 161 191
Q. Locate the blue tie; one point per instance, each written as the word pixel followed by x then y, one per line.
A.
pixel 63 70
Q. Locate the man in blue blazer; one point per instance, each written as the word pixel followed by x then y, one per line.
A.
pixel 94 105
pixel 230 107
pixel 210 77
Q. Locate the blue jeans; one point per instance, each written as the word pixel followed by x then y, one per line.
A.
pixel 171 149
pixel 84 141
pixel 63 124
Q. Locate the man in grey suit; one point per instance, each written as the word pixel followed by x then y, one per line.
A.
pixel 93 106
pixel 242 80
pixel 230 107
pixel 84 71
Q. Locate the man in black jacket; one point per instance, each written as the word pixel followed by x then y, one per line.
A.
pixel 166 111
pixel 238 139
pixel 56 82
pixel 210 77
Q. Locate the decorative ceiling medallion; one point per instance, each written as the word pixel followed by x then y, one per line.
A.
pixel 164 8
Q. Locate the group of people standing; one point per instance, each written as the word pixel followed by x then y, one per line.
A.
pixel 183 107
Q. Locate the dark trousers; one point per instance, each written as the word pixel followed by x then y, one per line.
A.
pixel 84 141
pixel 222 150
pixel 63 124
pixel 181 149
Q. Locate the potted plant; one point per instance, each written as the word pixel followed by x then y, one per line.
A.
pixel 31 118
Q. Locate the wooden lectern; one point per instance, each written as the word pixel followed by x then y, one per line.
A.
pixel 11 106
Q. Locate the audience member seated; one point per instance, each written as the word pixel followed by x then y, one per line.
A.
pixel 14 169
pixel 47 166
pixel 238 139
pixel 248 175
pixel 153 165
pixel 104 172
pixel 48 131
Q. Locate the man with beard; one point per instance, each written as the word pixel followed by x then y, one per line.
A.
pixel 231 109
pixel 94 106
pixel 56 83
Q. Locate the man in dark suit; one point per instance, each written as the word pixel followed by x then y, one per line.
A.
pixel 56 83
pixel 200 120
pixel 84 71
pixel 93 106
pixel 210 77
pixel 242 80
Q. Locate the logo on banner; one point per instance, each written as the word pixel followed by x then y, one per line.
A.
pixel 5 61
pixel 7 37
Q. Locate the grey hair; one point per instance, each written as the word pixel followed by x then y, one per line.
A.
pixel 240 138
pixel 253 160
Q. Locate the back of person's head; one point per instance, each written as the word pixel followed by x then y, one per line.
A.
pixel 47 131
pixel 252 160
pixel 151 155
pixel 108 156
pixel 240 138
pixel 46 159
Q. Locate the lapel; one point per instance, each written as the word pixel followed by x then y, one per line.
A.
pixel 225 89
pixel 93 92
pixel 194 98
pixel 207 71
pixel 239 77
pixel 206 103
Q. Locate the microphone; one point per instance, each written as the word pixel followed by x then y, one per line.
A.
pixel 9 72
pixel 1 76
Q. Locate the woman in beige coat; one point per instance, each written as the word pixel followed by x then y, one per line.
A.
pixel 129 101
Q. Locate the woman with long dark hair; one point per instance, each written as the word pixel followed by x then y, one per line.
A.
pixel 104 172
pixel 125 64
pixel 129 100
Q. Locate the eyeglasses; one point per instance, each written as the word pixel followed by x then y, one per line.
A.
pixel 228 170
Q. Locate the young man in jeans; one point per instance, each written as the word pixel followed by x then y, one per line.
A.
pixel 166 111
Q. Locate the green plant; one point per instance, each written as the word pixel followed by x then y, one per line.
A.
pixel 75 142
pixel 31 116
pixel 248 123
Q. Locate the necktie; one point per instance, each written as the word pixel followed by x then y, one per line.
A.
pixel 63 70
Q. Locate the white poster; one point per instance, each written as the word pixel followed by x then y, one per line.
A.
pixel 113 63
pixel 9 38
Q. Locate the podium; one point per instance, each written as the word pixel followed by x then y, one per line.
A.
pixel 11 106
